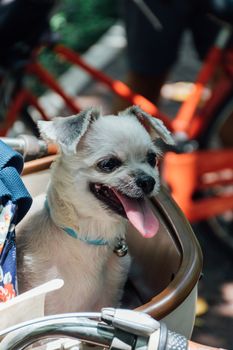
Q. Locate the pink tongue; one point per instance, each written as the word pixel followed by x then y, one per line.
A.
pixel 140 215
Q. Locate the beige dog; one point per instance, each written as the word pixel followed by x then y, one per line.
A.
pixel 106 170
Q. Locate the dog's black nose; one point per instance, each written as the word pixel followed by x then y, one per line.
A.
pixel 146 183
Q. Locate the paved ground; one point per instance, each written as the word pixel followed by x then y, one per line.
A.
pixel 215 327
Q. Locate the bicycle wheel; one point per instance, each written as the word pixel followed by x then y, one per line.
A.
pixel 219 135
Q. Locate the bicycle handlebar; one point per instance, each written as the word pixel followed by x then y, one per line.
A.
pixel 30 146
pixel 112 328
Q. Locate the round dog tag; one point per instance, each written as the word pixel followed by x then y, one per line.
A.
pixel 121 248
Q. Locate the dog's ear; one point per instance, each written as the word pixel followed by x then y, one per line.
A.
pixel 67 131
pixel 155 125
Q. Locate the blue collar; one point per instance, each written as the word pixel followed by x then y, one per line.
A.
pixel 71 232
pixel 98 241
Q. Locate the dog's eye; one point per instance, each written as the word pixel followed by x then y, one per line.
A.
pixel 152 159
pixel 109 164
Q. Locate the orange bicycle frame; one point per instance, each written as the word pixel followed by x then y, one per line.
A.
pixel 186 173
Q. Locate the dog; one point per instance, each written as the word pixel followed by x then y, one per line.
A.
pixel 105 173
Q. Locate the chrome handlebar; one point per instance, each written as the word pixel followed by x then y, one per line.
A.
pixel 112 328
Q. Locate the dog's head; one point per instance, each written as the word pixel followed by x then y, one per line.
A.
pixel 113 162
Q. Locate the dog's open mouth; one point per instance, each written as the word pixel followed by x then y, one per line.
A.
pixel 137 210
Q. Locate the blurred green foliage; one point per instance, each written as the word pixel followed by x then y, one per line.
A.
pixel 79 23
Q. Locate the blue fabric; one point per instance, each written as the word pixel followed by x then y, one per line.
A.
pixel 11 185
pixel 8 271
pixel 8 157
pixel 15 201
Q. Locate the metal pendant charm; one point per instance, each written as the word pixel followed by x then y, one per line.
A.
pixel 121 248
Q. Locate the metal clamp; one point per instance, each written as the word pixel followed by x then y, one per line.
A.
pixel 135 322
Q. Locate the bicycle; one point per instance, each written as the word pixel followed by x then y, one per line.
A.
pixel 208 193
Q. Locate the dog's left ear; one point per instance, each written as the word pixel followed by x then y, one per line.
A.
pixel 156 125
pixel 67 131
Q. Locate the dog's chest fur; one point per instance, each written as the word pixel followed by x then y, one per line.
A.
pixel 93 275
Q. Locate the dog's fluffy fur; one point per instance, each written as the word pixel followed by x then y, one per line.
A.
pixel 99 150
